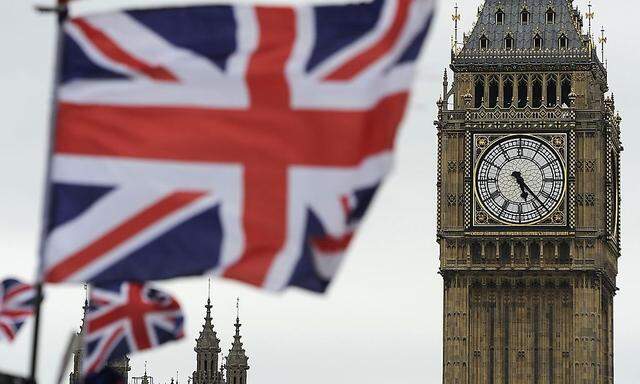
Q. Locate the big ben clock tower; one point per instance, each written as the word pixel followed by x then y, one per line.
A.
pixel 528 209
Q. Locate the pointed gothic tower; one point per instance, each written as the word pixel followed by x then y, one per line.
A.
pixel 145 378
pixel 76 375
pixel 207 350
pixel 528 200
pixel 121 366
pixel 237 360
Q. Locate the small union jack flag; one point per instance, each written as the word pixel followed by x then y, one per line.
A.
pixel 128 317
pixel 17 302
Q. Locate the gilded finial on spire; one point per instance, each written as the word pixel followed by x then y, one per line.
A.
pixel 590 15
pixel 602 40
pixel 456 18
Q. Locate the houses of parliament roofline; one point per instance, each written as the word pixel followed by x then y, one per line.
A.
pixel 212 367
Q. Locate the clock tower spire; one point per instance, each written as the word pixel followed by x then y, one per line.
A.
pixel 528 200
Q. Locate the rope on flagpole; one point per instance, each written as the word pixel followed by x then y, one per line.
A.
pixel 61 10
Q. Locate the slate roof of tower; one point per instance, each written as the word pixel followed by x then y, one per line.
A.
pixel 568 21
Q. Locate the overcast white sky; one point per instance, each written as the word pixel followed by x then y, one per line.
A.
pixel 381 320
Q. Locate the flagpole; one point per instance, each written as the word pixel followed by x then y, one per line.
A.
pixel 61 11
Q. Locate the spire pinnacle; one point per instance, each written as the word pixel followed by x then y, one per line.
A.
pixel 590 14
pixel 456 18
pixel 237 325
pixel 85 307
pixel 602 40
pixel 208 306
pixel 208 340
pixel 86 295
pixel 145 377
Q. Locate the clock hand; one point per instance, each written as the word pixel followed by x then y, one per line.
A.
pixel 521 183
pixel 536 197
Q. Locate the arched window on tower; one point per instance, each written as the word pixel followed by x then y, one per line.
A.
pixel 494 86
pixel 563 41
pixel 479 91
pixel 507 91
pixel 523 90
pixel 484 42
pixel 565 88
pixel 551 16
pixel 537 91
pixel 509 42
pixel 538 43
pixel 524 16
pixel 499 17
pixel 552 90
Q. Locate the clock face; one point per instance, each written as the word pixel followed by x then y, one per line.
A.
pixel 520 180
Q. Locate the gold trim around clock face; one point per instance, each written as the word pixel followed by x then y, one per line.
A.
pixel 485 146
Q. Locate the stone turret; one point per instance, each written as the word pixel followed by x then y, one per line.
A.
pixel 237 360
pixel 207 350
pixel 121 365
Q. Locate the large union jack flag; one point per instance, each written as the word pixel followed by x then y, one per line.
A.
pixel 239 140
pixel 124 318
pixel 17 301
